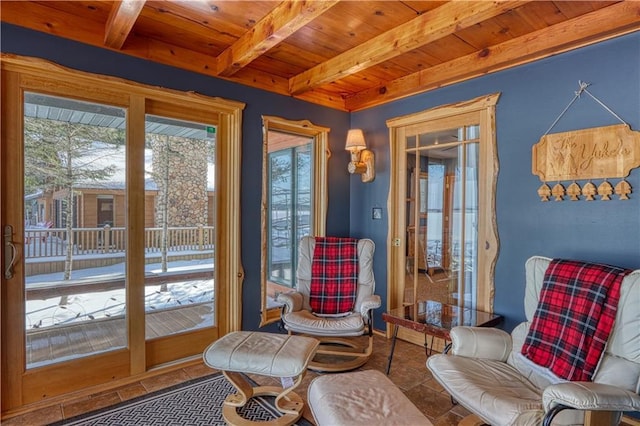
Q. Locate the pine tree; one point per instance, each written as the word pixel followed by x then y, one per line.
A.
pixel 61 156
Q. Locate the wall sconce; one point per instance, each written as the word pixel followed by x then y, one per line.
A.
pixel 361 158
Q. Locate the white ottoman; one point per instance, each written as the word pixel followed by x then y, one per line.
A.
pixel 361 398
pixel 267 354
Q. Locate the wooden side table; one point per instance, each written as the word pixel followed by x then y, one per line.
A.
pixel 436 320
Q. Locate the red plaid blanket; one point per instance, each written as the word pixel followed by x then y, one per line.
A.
pixel 334 275
pixel 575 314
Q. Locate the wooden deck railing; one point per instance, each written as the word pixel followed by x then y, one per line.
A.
pixel 52 242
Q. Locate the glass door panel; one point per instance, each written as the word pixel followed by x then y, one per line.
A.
pixel 74 287
pixel 442 216
pixel 179 226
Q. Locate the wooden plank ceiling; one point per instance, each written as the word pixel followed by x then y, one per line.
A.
pixel 347 54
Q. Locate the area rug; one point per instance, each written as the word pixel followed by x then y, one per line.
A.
pixel 196 402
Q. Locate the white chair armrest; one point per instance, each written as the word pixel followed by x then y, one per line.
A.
pixel 293 301
pixel 590 396
pixel 368 303
pixel 481 342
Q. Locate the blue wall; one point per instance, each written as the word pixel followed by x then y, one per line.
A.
pixel 532 97
pixel 91 59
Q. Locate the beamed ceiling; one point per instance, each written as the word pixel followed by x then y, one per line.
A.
pixel 347 55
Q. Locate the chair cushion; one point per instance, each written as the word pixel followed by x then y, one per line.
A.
pixel 334 276
pixel 267 354
pixel 306 322
pixel 574 317
pixel 497 392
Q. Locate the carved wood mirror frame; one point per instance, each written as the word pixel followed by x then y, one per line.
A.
pixel 321 154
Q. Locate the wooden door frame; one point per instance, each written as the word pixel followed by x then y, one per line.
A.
pixel 480 110
pixel 21 74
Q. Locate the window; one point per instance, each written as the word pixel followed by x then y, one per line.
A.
pixel 294 201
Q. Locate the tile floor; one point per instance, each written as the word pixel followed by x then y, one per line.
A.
pixel 408 372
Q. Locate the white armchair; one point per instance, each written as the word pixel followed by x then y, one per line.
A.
pixel 338 350
pixel 486 373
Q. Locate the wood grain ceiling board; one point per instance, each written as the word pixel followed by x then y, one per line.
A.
pixel 485 34
pixel 423 6
pixel 232 18
pixel 572 9
pixel 182 24
pixel 448 48
pixel 349 24
pixel 294 55
pixel 96 10
pixel 540 15
pixel 184 35
pixel 514 23
pixel 194 34
pixel 273 65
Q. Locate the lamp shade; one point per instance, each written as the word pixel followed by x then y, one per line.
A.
pixel 355 140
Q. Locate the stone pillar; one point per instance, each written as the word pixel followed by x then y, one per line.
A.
pixel 180 171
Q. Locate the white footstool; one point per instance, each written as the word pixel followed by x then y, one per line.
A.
pixel 266 354
pixel 361 398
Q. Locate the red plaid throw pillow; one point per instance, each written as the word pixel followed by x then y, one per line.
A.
pixel 334 275
pixel 575 314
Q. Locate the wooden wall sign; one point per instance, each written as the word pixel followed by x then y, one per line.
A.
pixel 597 153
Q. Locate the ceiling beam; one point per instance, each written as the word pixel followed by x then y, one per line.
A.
pixel 426 28
pixel 284 20
pixel 612 21
pixel 121 19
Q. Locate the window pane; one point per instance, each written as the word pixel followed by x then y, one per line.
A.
pixel 281 217
pixel 442 218
pixel 303 192
pixel 290 205
pixel 440 137
pixel 468 265
pixel 473 132
pixel 179 231
pixel 74 182
pixel 411 142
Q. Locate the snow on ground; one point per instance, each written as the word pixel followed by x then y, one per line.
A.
pixel 107 304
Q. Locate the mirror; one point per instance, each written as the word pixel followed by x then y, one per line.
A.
pixel 294 202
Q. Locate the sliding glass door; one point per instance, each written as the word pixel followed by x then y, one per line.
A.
pixel 111 226
pixel 75 297
pixel 180 210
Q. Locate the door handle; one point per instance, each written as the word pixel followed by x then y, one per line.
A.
pixel 10 252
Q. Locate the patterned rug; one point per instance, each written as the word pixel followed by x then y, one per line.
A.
pixel 197 402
